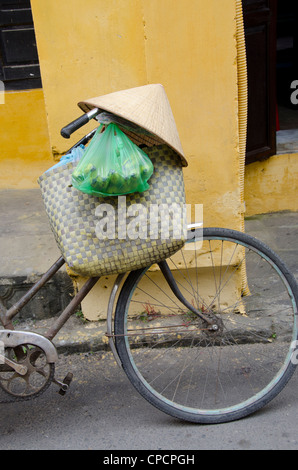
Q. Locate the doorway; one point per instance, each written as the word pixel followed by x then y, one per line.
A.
pixel 287 65
pixel 271 33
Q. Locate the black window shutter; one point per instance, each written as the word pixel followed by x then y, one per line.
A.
pixel 19 65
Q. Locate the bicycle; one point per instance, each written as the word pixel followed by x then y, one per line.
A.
pixel 207 336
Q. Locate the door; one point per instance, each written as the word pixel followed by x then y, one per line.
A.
pixel 260 35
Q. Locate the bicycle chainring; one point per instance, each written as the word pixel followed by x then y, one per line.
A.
pixel 28 375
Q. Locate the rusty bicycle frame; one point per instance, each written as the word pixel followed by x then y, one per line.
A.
pixel 14 339
pixel 7 315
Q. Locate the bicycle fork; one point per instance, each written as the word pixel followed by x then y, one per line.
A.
pixel 210 319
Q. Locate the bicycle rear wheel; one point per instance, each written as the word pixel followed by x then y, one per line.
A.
pixel 195 373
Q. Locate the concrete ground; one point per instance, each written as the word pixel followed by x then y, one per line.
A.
pixel 102 410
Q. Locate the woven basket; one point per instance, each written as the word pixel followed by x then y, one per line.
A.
pixel 73 219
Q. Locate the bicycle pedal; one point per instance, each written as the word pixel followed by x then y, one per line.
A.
pixel 64 385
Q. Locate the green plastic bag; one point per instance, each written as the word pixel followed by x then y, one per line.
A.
pixel 112 165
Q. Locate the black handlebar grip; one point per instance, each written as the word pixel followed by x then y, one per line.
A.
pixel 77 123
pixel 74 125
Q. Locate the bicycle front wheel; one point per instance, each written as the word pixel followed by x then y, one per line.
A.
pixel 202 374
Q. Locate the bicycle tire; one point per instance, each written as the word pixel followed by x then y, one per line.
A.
pixel 255 354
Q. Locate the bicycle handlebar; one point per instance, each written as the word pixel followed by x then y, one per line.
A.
pixel 77 123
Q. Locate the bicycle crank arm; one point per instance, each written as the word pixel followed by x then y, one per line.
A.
pixel 173 285
pixel 19 368
pixel 64 385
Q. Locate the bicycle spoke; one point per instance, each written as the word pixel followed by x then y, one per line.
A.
pixel 206 373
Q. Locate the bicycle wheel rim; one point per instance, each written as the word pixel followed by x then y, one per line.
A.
pixel 254 401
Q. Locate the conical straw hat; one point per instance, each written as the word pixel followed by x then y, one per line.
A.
pixel 147 106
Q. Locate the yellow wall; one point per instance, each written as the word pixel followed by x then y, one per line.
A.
pixel 272 185
pixel 86 49
pixel 109 46
pixel 91 48
pixel 25 148
pixel 189 47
